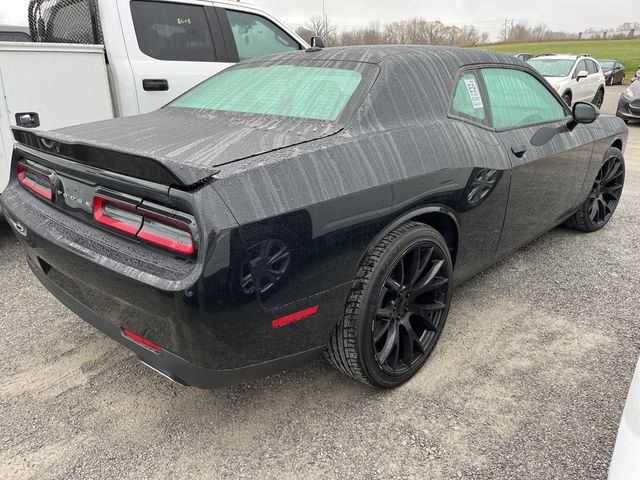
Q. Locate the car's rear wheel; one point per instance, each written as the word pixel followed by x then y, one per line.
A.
pixel 603 199
pixel 396 309
pixel 598 100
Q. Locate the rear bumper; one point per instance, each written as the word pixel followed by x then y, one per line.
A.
pixel 208 337
pixel 167 363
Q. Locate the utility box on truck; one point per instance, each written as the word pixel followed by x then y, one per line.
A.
pixel 48 86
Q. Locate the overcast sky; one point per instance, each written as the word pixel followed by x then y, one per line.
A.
pixel 486 15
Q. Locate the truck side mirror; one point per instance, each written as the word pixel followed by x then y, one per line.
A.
pixel 317 42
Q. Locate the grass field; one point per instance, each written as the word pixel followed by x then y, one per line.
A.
pixel 626 51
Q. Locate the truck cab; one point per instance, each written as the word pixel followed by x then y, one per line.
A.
pixel 158 49
pixel 91 60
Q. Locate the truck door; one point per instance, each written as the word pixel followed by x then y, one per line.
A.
pixel 171 48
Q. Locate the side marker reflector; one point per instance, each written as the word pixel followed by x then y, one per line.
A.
pixel 294 317
pixel 141 340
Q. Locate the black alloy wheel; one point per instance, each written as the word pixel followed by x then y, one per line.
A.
pixel 604 196
pixel 396 309
pixel 598 100
pixel 411 304
pixel 606 191
pixel 268 262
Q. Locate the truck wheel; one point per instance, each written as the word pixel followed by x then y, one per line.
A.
pixel 396 309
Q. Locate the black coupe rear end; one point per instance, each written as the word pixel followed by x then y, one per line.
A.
pixel 320 200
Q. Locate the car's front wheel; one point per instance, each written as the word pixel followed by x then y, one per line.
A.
pixel 396 309
pixel 603 199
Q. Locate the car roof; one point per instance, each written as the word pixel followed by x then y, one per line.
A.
pixel 451 57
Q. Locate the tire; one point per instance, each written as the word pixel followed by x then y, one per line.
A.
pixel 598 100
pixel 567 98
pixel 601 203
pixel 383 294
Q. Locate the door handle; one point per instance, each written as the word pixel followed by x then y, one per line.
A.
pixel 155 85
pixel 519 150
pixel 27 119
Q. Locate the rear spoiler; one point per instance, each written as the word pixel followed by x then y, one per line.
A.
pixel 131 165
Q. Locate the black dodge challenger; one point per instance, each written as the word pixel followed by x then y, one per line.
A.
pixel 323 200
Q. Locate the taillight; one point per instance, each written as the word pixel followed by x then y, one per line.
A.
pixel 150 223
pixel 35 181
pixel 118 215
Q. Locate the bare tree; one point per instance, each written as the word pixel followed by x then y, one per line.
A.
pixel 322 27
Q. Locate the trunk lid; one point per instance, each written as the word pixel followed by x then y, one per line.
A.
pixel 175 146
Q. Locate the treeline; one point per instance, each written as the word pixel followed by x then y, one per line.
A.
pixel 521 32
pixel 411 31
pixel 425 32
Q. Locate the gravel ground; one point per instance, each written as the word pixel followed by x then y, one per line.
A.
pixel 528 381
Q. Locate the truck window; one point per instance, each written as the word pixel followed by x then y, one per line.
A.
pixel 172 31
pixel 256 36
pixel 14 37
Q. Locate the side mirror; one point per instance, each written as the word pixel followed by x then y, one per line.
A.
pixel 317 42
pixel 584 113
pixel 582 74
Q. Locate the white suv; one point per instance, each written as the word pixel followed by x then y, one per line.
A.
pixel 577 78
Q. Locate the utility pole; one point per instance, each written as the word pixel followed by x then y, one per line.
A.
pixel 324 19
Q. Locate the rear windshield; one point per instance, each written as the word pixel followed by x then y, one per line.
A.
pixel 309 92
pixel 552 67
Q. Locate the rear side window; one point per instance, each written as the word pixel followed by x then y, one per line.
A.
pixel 517 98
pixel 256 36
pixel 314 93
pixel 467 100
pixel 171 31
pixel 592 67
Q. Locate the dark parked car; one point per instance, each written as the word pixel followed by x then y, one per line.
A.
pixel 14 33
pixel 326 200
pixel 614 71
pixel 629 103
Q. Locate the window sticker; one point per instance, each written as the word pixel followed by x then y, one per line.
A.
pixel 474 93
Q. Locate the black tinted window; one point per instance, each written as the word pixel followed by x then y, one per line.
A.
pixel 171 31
pixel 256 36
pixel 14 37
pixel 592 67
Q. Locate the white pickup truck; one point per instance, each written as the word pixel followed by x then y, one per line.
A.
pixel 96 59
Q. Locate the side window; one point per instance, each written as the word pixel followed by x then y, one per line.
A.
pixel 592 67
pixel 256 36
pixel 517 98
pixel 172 31
pixel 582 66
pixel 467 100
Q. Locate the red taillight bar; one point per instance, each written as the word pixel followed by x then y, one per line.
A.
pixel 99 203
pixel 151 226
pixel 31 184
pixel 141 340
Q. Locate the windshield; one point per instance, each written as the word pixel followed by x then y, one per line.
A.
pixel 314 93
pixel 607 64
pixel 552 67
